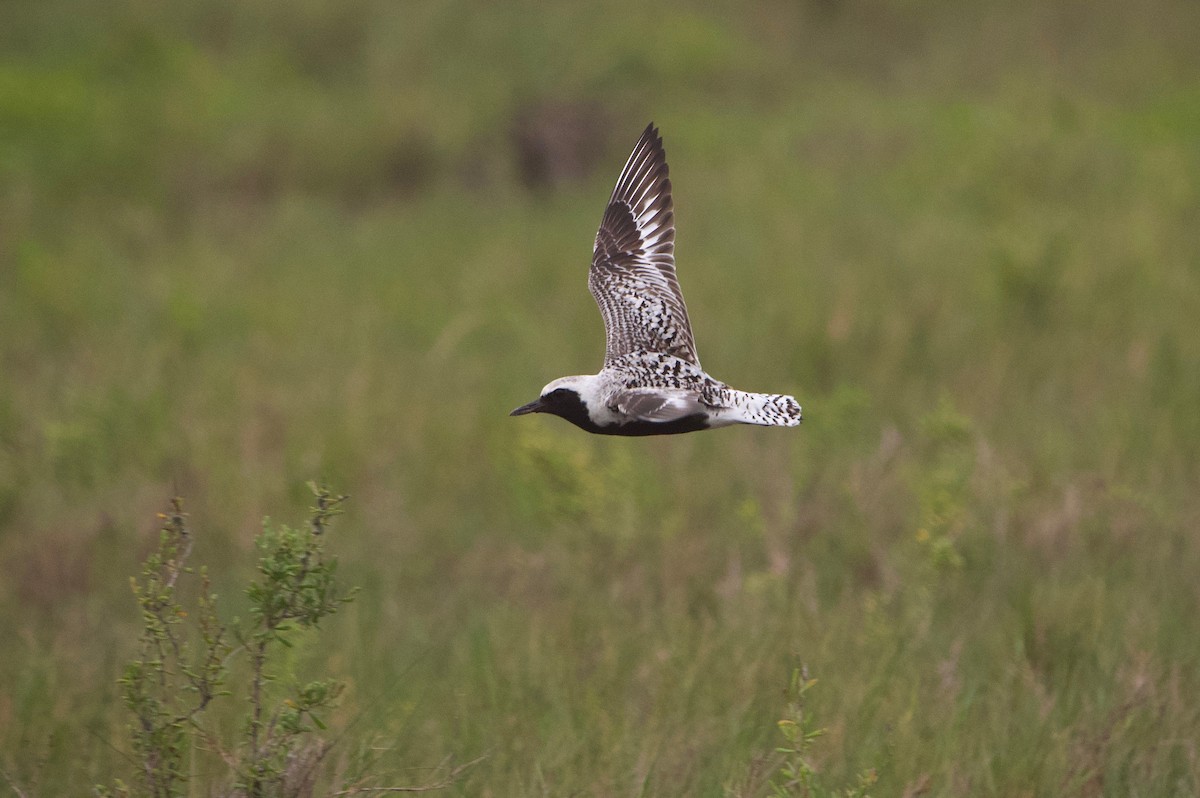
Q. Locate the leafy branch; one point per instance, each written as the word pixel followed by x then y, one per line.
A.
pixel 295 588
pixel 166 686
pixel 798 778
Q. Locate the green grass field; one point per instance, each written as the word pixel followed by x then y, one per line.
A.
pixel 244 245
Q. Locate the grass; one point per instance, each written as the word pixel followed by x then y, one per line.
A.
pixel 242 248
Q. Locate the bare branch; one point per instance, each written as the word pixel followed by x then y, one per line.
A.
pixel 20 793
pixel 445 782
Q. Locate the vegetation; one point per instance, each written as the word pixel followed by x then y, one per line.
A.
pixel 797 776
pixel 167 688
pixel 244 245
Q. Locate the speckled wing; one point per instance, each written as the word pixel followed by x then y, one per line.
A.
pixel 633 263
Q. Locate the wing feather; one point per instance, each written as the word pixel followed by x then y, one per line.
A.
pixel 633 262
pixel 657 404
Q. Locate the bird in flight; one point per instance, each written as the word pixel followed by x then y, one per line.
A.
pixel 652 382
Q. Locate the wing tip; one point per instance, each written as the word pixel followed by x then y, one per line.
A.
pixel 651 136
pixel 645 172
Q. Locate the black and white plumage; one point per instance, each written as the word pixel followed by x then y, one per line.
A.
pixel 652 382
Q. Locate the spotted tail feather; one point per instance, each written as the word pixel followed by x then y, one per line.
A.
pixel 764 409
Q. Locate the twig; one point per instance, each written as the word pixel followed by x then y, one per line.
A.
pixel 439 785
pixel 20 793
pixel 177 523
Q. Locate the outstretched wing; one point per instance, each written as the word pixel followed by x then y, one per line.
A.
pixel 633 262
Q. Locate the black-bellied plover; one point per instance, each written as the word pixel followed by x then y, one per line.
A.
pixel 651 383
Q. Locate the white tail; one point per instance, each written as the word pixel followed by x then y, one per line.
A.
pixel 764 409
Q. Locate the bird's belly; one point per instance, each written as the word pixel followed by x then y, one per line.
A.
pixel 639 428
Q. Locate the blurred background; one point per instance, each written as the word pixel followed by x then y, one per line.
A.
pixel 247 244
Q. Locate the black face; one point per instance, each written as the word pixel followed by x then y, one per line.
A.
pixel 562 402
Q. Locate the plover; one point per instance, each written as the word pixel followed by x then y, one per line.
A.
pixel 652 382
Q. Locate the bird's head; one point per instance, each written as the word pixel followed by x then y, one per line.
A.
pixel 566 397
